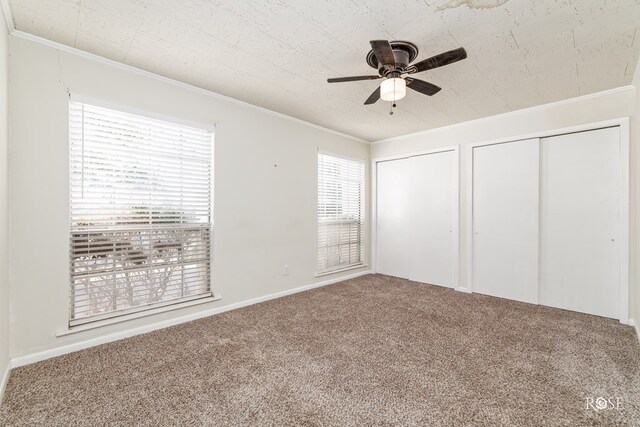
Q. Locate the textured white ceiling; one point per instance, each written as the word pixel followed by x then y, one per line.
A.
pixel 278 53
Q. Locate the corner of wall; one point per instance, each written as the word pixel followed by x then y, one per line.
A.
pixel 6 26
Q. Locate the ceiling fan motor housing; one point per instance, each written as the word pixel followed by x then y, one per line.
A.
pixel 404 53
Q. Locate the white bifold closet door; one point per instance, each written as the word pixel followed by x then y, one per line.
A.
pixel 580 222
pixel 393 210
pixel 417 211
pixel 433 214
pixel 505 220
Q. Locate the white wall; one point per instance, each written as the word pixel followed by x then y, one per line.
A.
pixel 578 111
pixel 4 224
pixel 265 216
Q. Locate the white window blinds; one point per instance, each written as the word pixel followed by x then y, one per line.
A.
pixel 340 212
pixel 141 213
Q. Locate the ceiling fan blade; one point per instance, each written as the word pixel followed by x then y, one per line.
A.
pixel 352 79
pixel 383 52
pixel 445 58
pixel 422 86
pixel 373 97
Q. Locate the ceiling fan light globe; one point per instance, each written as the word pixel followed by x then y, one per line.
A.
pixel 393 89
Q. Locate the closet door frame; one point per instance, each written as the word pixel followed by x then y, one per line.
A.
pixel 456 220
pixel 623 124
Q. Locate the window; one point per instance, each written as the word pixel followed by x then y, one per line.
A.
pixel 340 212
pixel 141 213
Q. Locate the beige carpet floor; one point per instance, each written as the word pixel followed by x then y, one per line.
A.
pixel 370 351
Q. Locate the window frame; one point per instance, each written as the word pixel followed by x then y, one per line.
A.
pixel 363 221
pixel 143 309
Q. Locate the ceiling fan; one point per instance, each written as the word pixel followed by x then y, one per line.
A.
pixel 392 59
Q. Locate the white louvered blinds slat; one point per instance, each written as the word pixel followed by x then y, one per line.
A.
pixel 340 212
pixel 140 210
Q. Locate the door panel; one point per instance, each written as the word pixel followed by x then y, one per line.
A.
pixel 433 214
pixel 505 220
pixel 393 228
pixel 580 222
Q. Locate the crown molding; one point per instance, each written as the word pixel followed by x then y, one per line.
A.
pixel 6 8
pixel 8 15
pixel 511 113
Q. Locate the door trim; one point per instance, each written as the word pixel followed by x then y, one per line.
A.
pixel 456 221
pixel 623 124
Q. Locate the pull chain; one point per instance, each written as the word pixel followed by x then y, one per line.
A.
pixel 393 104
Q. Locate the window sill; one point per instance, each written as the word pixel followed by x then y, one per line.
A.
pixel 340 270
pixel 137 315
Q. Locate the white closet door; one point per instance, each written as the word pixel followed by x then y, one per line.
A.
pixel 392 213
pixel 580 222
pixel 505 220
pixel 433 214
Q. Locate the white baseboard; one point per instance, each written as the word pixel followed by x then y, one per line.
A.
pixel 5 380
pixel 636 326
pixel 59 351
pixel 465 290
